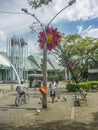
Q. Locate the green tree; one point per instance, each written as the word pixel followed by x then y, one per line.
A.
pixel 77 53
pixel 38 3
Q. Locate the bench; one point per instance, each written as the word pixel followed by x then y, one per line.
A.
pixel 94 88
pixel 80 96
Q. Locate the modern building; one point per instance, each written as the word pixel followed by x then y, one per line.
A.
pixel 17 54
pixel 92 74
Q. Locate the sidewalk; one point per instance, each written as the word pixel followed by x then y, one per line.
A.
pixel 60 115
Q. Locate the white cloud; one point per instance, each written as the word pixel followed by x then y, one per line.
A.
pixel 84 9
pixel 33 48
pixel 2 36
pixel 11 24
pixel 80 10
pixel 93 32
pixel 80 28
pixel 90 31
pixel 3 40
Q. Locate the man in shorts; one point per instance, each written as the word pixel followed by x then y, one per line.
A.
pixel 21 89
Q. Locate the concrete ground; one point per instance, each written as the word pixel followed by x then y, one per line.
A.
pixel 60 115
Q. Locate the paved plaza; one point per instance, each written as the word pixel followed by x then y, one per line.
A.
pixel 60 115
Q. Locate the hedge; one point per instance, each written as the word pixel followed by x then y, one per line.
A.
pixel 71 87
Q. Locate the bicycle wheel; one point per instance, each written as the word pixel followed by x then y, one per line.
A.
pixel 17 100
pixel 27 97
pixel 22 100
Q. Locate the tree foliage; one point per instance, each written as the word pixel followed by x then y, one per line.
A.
pixel 78 53
pixel 38 3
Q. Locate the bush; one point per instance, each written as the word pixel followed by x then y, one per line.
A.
pixel 71 87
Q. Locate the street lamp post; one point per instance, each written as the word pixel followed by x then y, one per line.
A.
pixel 44 101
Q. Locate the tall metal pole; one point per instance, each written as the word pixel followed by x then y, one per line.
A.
pixel 44 101
pixel 69 4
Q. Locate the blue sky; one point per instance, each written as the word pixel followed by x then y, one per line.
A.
pixel 81 17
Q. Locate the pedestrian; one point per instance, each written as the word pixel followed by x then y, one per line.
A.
pixel 35 83
pixel 53 87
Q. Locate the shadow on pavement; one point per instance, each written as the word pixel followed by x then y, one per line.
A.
pixel 55 125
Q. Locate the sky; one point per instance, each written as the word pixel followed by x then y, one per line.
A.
pixel 80 18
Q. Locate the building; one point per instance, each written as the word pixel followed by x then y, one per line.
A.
pixel 29 65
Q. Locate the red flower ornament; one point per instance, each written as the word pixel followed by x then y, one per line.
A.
pixel 51 37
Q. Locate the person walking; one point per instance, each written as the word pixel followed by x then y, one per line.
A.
pixel 53 86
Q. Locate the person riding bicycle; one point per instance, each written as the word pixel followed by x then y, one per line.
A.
pixel 21 89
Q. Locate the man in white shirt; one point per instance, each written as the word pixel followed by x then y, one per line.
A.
pixel 21 89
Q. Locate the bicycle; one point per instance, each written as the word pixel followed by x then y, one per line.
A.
pixel 21 99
